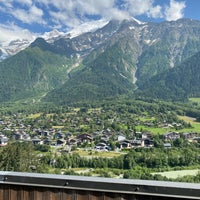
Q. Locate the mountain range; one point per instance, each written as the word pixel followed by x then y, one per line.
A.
pixel 105 60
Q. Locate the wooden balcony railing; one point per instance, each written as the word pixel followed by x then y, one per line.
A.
pixel 33 186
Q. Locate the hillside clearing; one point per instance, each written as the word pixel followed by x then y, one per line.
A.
pixel 179 173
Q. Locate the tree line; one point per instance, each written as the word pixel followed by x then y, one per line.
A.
pixel 138 163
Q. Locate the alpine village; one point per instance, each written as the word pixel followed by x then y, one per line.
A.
pixel 120 101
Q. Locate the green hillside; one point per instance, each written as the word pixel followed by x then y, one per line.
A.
pixel 177 83
pixel 102 78
pixel 117 59
pixel 31 72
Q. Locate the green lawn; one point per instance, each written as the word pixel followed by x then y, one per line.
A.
pixel 193 122
pixel 147 119
pixel 196 100
pixel 179 173
pixel 195 127
pixel 154 129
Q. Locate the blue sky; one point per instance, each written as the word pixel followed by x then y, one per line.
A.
pixel 39 16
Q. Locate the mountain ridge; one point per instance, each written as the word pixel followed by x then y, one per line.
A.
pixel 15 44
pixel 112 60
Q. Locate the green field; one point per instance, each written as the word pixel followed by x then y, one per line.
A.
pixel 196 100
pixel 195 127
pixel 193 122
pixel 179 173
pixel 154 129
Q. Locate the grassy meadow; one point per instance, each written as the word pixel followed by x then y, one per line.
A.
pixel 179 173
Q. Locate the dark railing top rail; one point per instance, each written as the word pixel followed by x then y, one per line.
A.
pixel 123 186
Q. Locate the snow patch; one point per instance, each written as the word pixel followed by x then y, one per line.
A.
pixel 10 48
pixel 87 27
pixel 138 21
pixel 123 76
pixel 13 40
pixel 131 27
pixel 52 35
pixel 150 42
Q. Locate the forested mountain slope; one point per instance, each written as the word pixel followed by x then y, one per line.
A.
pixel 177 83
pixel 113 60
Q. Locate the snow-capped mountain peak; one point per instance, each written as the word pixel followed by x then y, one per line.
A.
pixel 52 35
pixel 87 27
pixel 12 45
pixel 10 48
pixel 14 39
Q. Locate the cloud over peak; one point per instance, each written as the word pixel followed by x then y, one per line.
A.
pixel 66 14
pixel 12 32
pixel 175 10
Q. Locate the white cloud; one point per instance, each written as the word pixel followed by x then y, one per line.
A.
pixel 23 10
pixel 6 3
pixel 139 7
pixel 65 14
pixel 35 12
pixel 155 12
pixel 175 10
pixel 60 19
pixel 11 32
pixel 32 15
pixel 78 10
pixel 24 2
pixel 71 13
pixel 114 13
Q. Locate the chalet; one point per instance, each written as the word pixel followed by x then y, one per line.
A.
pixel 147 135
pixel 189 136
pixel 136 143
pixel 59 135
pixel 196 139
pixel 167 145
pixel 61 142
pixel 125 144
pixel 26 137
pixel 3 140
pixel 121 138
pixel 17 136
pixel 37 140
pixel 47 141
pixel 102 147
pixel 171 136
pixel 43 133
pixel 85 138
pixel 144 135
pixel 72 141
pixel 147 142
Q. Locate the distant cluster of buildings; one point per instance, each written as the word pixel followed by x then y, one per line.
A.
pixel 100 140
